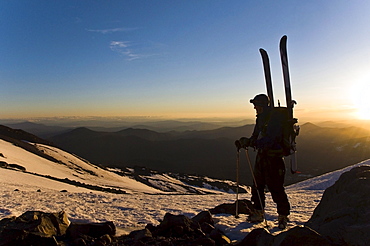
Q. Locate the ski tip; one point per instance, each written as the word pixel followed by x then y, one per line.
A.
pixel 262 51
pixel 283 40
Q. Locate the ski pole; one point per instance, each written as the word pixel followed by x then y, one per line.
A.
pixel 255 184
pixel 237 183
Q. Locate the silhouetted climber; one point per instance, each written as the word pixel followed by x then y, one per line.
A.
pixel 269 169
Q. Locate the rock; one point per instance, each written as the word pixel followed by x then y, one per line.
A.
pixel 244 207
pixel 141 235
pixel 175 225
pixel 302 236
pixel 204 241
pixel 206 227
pixel 257 237
pixel 94 230
pixel 203 217
pixel 3 164
pixel 17 167
pixel 105 239
pixel 33 227
pixel 219 237
pixel 344 210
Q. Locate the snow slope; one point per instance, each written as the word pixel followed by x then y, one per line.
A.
pixel 21 192
pixel 77 169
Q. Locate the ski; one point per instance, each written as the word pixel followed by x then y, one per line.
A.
pixel 267 72
pixel 289 103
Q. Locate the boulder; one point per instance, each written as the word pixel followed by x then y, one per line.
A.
pixel 300 235
pixel 244 207
pixel 141 235
pixel 176 225
pixel 94 230
pixel 344 210
pixel 178 230
pixel 257 237
pixel 33 226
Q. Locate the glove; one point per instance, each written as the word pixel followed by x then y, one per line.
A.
pixel 244 142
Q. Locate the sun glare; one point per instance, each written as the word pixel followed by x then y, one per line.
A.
pixel 361 99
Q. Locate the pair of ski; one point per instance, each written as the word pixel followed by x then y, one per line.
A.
pixel 288 95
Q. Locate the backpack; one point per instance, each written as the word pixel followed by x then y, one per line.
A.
pixel 289 131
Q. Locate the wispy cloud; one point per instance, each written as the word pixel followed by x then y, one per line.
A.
pixel 114 45
pixel 112 30
pixel 122 47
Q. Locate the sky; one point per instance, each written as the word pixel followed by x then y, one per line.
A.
pixel 181 59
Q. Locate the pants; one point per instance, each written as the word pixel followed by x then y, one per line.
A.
pixel 270 171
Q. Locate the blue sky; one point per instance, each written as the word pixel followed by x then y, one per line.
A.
pixel 176 58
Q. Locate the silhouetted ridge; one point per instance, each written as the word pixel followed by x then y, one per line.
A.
pixel 24 140
pixel 145 134
pixel 82 130
pixel 310 126
pixel 7 132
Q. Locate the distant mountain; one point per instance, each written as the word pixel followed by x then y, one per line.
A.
pixel 53 127
pixel 164 152
pixel 323 149
pixel 70 171
pixel 212 152
pixel 206 152
pixel 42 131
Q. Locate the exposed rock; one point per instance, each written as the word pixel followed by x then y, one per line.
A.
pixel 302 236
pixel 95 230
pixel 141 235
pixel 48 229
pixel 3 164
pixel 178 230
pixel 203 217
pixel 244 207
pixel 257 237
pixel 16 166
pixel 344 210
pixel 33 227
pixel 219 237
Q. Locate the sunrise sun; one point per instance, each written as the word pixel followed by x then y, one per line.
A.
pixel 361 99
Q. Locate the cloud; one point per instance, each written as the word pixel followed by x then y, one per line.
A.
pixel 112 30
pixel 122 47
pixel 114 45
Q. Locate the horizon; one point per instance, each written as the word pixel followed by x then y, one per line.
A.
pixel 128 121
pixel 181 60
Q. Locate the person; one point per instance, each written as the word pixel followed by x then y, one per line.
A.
pixel 269 169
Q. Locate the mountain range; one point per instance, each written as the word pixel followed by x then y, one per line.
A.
pixel 207 152
pixel 24 154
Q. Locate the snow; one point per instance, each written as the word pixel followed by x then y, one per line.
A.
pixel 21 192
pixel 70 167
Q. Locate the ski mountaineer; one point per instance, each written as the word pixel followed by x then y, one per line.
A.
pixel 269 169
